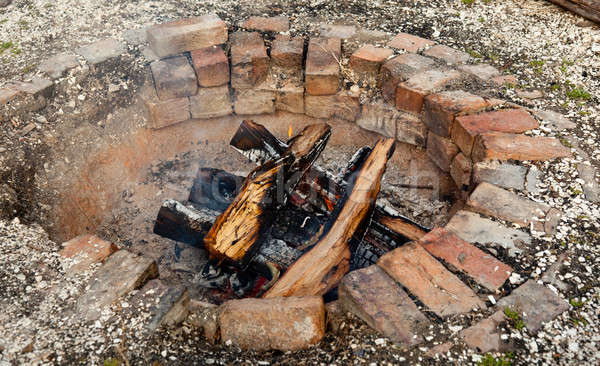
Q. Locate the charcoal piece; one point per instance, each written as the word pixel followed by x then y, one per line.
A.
pixel 183 223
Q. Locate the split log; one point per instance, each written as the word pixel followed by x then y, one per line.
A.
pixel 183 223
pixel 236 232
pixel 400 226
pixel 322 267
pixel 589 9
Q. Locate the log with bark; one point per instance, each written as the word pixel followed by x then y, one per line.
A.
pixel 322 267
pixel 235 235
pixel 589 9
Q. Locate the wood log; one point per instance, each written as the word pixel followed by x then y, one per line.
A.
pixel 322 267
pixel 183 223
pixel 236 233
pixel 403 228
pixel 215 189
pixel 589 9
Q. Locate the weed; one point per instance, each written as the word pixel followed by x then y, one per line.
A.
pixel 579 93
pixel 111 362
pixel 2 21
pixel 474 53
pixel 468 2
pixel 29 68
pixel 576 303
pixel 490 360
pixel 514 317
pixel 565 142
pixel 481 20
pixel 493 56
pixel 575 191
pixel 578 320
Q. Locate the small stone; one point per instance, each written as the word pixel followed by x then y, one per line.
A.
pixel 409 43
pixel 337 31
pixel 483 72
pixel 485 336
pixel 591 187
pixel 168 305
pixel 555 121
pixel 534 94
pixel 101 51
pixel 504 80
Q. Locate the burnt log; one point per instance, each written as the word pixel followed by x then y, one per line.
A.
pixel 183 223
pixel 589 9
pixel 215 189
pixel 322 267
pixel 236 233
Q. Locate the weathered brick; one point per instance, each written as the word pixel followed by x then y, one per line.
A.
pixel 285 323
pixel 79 253
pixel 473 228
pixel 466 128
pixel 166 306
pixel 482 267
pixel 441 150
pixel 267 24
pixel 203 315
pixel 322 71
pixel 287 52
pixel 37 86
pixel 211 65
pixel 343 105
pixel 399 69
pixel 502 80
pixel 503 175
pixel 409 43
pixel 553 120
pixel 483 72
pixel 535 303
pixel 460 170
pixel 249 60
pixel 379 117
pixel 211 102
pixel 484 336
pixel 337 31
pixel 253 101
pixel 9 94
pixel 448 54
pixel 591 187
pixel 441 108
pixel 427 279
pixel 57 65
pixel 410 94
pixel 505 146
pixel 290 98
pixel 502 204
pixel 373 296
pixel 187 35
pixel 174 78
pixel 101 51
pixel 367 60
pixel 165 113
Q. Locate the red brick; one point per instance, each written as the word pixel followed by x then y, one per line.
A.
pixel 289 93
pixel 322 72
pixel 466 128
pixel 427 279
pixel 399 69
pixel 287 52
pixel 505 146
pixel 460 170
pixel 485 335
pixel 211 102
pixel 249 60
pixel 440 109
pixel 447 54
pixel 342 105
pixel 267 24
pixel 211 65
pixel 174 78
pixel 410 94
pixel 187 34
pixel 84 251
pixel 337 31
pixel 408 42
pixel 368 59
pixel 254 101
pixel 441 150
pixel 165 113
pixel 482 267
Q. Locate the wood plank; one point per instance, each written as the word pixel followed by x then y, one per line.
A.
pixel 589 9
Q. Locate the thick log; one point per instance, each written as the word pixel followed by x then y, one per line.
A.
pixel 322 267
pixel 183 223
pixel 236 233
pixel 589 9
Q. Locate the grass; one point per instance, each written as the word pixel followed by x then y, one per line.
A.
pixel 468 2
pixel 537 65
pixel 565 142
pixel 514 317
pixel 474 53
pixel 579 94
pixel 576 303
pixel 112 362
pixel 4 46
pixel 490 360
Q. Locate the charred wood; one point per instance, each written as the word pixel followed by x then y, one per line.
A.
pixel 215 189
pixel 183 223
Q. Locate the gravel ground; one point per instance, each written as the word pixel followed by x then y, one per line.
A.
pixel 547 49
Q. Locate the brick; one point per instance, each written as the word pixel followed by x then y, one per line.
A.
pixel 287 323
pixel 187 35
pixel 480 266
pixel 342 105
pixel 536 304
pixel 447 54
pixel 466 128
pixel 253 101
pixel 441 108
pixel 165 306
pixel 505 146
pixel 379 117
pixel 290 98
pixel 427 279
pixel 484 336
pixel 267 24
pixel 505 205
pixel 503 175
pixel 120 274
pixel 9 94
pixel 410 94
pixel 37 86
pixel 165 113
pixel 399 69
pixel 483 72
pixel 367 60
pixel 337 31
pixel 57 65
pixel 204 315
pixel 101 51
pixel 322 71
pixel 473 228
pixel 287 52
pixel 532 179
pixel 211 66
pixel 460 170
pixel 409 43
pixel 174 78
pixel 553 120
pixel 79 253
pixel 373 296
pixel 211 102
pixel 249 60
pixel 441 150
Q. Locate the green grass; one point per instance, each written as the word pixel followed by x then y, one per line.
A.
pixel 468 2
pixel 112 362
pixel 565 142
pixel 514 317
pixel 490 360
pixel 579 93
pixel 474 53
pixel 576 303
